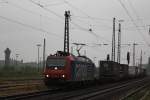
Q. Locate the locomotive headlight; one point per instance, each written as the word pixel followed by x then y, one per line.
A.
pixel 55 68
pixel 63 76
pixel 47 75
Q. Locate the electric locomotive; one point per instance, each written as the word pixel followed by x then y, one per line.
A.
pixel 66 68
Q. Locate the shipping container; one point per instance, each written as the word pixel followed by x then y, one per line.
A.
pixel 109 69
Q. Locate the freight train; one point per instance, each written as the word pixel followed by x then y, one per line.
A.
pixel 67 68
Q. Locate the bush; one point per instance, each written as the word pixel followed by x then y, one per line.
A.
pixel 20 71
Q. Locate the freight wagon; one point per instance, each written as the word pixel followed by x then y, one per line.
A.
pixel 109 70
pixel 132 71
pixel 124 71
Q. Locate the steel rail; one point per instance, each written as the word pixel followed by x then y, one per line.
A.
pixel 42 93
pixel 75 95
pixel 16 85
pixel 103 92
pixel 30 95
pixel 135 91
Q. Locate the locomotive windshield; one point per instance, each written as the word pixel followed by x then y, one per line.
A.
pixel 55 62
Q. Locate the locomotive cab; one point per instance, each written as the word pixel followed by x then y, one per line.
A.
pixel 67 68
pixel 57 68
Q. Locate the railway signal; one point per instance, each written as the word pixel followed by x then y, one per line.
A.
pixel 108 57
pixel 128 57
pixel 149 29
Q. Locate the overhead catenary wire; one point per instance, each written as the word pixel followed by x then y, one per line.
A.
pixel 29 26
pixel 3 1
pixel 68 3
pixel 91 32
pixel 87 16
pixel 93 18
pixel 80 27
pixel 30 11
pixel 61 17
pixel 90 17
pixel 135 12
pixel 33 27
pixel 55 4
pixel 43 7
pixel 84 20
pixel 133 9
pixel 126 10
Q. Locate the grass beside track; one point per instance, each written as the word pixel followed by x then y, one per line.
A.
pixel 143 94
pixel 20 71
pixel 20 79
pixel 147 94
pixel 23 87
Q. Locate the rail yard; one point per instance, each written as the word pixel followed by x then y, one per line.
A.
pixel 86 50
pixel 114 91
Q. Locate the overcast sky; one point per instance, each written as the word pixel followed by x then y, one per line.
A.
pixel 25 23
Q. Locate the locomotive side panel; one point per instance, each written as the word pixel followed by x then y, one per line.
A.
pixel 82 71
pixel 124 70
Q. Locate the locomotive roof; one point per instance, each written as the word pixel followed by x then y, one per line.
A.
pixel 109 61
pixel 61 54
pixel 83 58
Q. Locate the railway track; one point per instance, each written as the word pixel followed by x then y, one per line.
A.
pixel 139 93
pixel 113 93
pixel 14 81
pixel 94 92
pixel 15 85
pixel 20 87
pixel 99 93
pixel 29 95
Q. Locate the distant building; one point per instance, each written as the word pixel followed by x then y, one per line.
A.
pixel 7 56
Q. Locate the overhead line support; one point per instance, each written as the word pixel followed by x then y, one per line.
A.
pixel 66 33
pixel 113 41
